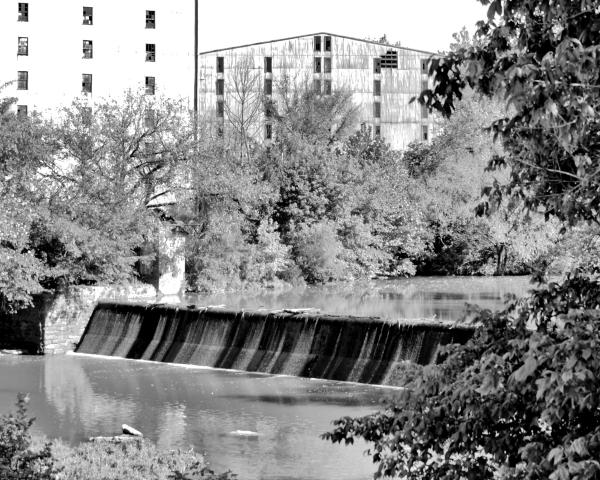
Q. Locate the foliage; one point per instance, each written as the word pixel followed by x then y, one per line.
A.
pixel 518 401
pixel 131 460
pixel 542 58
pixel 74 192
pixel 18 461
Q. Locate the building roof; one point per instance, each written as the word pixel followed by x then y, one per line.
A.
pixel 317 33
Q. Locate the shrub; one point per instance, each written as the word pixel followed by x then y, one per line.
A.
pixel 18 461
pixel 521 400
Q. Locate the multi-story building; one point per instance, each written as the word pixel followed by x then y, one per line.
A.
pixel 56 50
pixel 382 79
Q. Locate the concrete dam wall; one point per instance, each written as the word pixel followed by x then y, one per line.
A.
pixel 312 345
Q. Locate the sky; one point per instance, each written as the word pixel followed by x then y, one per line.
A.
pixel 420 24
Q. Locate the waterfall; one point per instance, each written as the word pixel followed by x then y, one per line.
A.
pixel 358 349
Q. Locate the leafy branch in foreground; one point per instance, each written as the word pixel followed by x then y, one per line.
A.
pixel 521 400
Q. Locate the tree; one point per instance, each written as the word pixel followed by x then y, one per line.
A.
pixel 520 400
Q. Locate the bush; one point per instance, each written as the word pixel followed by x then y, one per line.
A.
pixel 521 400
pixel 315 250
pixel 18 461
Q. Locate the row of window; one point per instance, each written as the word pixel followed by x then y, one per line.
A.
pixel 86 82
pixel 268 65
pixel 88 49
pixel 88 15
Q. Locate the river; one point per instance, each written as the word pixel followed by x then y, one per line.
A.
pixel 75 397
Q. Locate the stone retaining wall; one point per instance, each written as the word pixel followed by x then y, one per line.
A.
pixel 56 322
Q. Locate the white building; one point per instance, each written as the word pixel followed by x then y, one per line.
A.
pixel 382 78
pixel 56 50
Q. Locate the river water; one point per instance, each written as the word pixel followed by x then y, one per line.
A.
pixel 75 397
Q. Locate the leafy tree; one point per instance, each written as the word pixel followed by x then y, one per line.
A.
pixel 520 400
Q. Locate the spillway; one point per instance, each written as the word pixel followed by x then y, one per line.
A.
pixel 357 349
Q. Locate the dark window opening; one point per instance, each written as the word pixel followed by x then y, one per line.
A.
pixel 327 87
pixel 23 46
pixel 220 108
pixel 269 109
pixel 377 87
pixel 23 12
pixel 150 19
pixel 150 85
pixel 268 131
pixel 377 109
pixel 317 43
pixel 268 86
pixel 327 43
pixel 220 86
pixel 378 130
pixel 88 49
pixel 327 65
pixel 150 52
pixel 268 64
pixel 424 85
pixel 389 59
pixel 377 65
pixel 220 64
pixel 424 111
pixel 86 82
pixel 21 111
pixel 22 80
pixel 317 85
pixel 88 15
pixel 317 64
pixel 424 65
pixel 220 131
pixel 425 133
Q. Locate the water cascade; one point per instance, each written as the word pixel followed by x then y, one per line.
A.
pixel 358 349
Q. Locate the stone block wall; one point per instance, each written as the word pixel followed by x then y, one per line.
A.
pixel 56 323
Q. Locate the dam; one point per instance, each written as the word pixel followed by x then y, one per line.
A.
pixel 345 348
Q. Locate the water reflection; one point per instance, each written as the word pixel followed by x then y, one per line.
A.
pixel 75 397
pixel 443 298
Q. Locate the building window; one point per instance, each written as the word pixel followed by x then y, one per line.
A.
pixel 23 12
pixel 21 111
pixel 86 115
pixel 377 65
pixel 424 111
pixel 378 130
pixel 220 109
pixel 327 65
pixel 317 85
pixel 150 85
pixel 22 80
pixel 220 131
pixel 317 64
pixel 220 64
pixel 377 109
pixel 268 65
pixel 86 82
pixel 150 52
pixel 327 43
pixel 424 85
pixel 425 133
pixel 377 87
pixel 150 19
pixel 268 86
pixel 88 49
pixel 220 86
pixel 389 59
pixel 23 46
pixel 317 43
pixel 149 121
pixel 268 131
pixel 424 65
pixel 88 14
pixel 327 87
